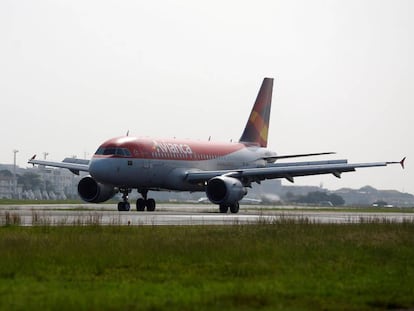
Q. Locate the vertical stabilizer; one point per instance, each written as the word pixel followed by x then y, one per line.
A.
pixel 257 125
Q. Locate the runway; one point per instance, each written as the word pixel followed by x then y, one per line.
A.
pixel 183 214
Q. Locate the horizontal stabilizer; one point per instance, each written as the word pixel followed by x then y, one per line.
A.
pixel 274 158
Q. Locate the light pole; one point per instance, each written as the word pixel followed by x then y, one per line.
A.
pixel 15 151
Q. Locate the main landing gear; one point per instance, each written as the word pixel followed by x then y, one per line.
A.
pixel 143 202
pixel 234 208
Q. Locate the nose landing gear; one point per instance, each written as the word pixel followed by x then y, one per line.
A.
pixel 124 206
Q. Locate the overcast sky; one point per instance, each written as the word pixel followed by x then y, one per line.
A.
pixel 75 73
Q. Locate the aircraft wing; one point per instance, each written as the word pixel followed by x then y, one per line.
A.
pixel 74 165
pixel 288 171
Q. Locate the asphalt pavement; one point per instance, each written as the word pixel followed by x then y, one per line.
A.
pixel 183 214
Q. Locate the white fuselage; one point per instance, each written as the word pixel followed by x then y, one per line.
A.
pixel 158 173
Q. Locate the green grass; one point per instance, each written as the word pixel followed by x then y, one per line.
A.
pixel 282 266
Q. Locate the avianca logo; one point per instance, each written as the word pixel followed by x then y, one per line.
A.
pixel 259 124
pixel 171 148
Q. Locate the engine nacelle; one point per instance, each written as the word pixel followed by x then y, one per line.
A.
pixel 225 190
pixel 93 192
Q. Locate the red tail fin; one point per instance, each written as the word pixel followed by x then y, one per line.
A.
pixel 257 125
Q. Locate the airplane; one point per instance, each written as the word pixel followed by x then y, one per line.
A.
pixel 224 171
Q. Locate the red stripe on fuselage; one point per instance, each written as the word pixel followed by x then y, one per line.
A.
pixel 169 149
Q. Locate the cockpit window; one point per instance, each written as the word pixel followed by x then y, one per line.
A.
pixel 123 152
pixel 109 151
pixel 99 151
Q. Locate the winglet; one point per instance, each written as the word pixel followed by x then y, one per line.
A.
pixel 402 162
pixel 257 126
pixel 31 159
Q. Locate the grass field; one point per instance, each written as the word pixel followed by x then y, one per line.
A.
pixel 281 266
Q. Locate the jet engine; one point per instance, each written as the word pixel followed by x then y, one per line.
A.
pixel 225 190
pixel 93 192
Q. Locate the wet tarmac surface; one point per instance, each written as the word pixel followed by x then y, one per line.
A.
pixel 182 214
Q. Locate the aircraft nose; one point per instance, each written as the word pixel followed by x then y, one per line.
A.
pixel 97 169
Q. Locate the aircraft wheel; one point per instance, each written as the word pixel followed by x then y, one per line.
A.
pixel 140 205
pixel 120 206
pixel 223 208
pixel 127 206
pixel 150 203
pixel 123 206
pixel 234 208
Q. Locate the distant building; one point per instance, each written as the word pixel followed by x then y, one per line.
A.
pixel 6 184
pixel 55 183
